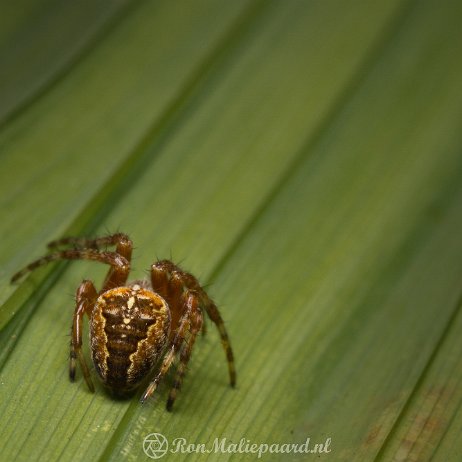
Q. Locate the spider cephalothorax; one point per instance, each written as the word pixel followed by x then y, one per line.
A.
pixel 133 325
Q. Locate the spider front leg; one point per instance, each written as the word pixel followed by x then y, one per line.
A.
pixel 120 266
pixel 167 281
pixel 116 276
pixel 85 300
pixel 161 273
pixel 89 243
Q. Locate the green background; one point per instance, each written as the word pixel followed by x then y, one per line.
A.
pixel 303 158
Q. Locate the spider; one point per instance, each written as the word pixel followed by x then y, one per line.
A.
pixel 135 325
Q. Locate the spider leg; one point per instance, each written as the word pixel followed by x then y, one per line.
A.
pixel 185 356
pixel 82 242
pixel 120 266
pixel 85 298
pixel 176 343
pixel 216 318
pixel 124 247
pixel 160 277
pixel 172 283
pixel 168 282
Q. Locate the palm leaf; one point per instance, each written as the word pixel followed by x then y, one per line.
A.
pixel 302 158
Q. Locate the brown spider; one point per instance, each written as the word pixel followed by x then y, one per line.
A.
pixel 133 325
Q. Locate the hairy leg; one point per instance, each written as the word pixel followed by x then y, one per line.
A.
pixel 185 355
pixel 85 299
pixel 119 264
pixel 175 345
pixel 124 247
pixel 216 318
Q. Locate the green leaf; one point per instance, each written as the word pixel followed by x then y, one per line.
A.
pixel 40 40
pixel 304 159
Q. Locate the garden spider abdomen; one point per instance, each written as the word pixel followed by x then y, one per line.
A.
pixel 135 325
pixel 129 328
